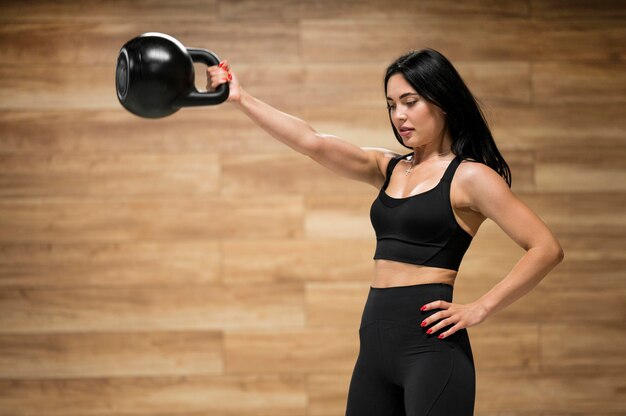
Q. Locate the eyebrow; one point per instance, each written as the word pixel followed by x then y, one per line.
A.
pixel 403 95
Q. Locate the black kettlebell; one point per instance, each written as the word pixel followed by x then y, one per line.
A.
pixel 155 76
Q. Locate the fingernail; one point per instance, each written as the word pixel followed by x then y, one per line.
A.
pixel 230 76
pixel 429 330
pixel 221 64
pixel 440 336
pixel 424 323
pixel 423 308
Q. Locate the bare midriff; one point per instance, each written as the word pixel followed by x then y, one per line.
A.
pixel 389 273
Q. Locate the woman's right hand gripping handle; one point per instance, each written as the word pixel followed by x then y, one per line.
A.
pixel 218 75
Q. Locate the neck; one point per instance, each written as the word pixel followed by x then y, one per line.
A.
pixel 420 157
pixel 442 146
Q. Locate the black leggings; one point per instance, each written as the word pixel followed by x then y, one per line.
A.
pixel 401 370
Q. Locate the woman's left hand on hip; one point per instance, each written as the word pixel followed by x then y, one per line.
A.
pixel 462 316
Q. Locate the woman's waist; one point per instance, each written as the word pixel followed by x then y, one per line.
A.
pixel 389 273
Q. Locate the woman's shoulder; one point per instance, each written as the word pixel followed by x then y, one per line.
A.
pixel 472 174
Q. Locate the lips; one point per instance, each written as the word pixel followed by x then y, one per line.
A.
pixel 403 129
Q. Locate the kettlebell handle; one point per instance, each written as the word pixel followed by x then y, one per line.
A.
pixel 195 97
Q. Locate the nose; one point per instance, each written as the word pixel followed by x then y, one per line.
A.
pixel 399 116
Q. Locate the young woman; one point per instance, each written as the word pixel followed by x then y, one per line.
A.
pixel 415 356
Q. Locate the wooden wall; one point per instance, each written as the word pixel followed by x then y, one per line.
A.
pixel 194 265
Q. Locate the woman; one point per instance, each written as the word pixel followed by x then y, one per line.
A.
pixel 415 356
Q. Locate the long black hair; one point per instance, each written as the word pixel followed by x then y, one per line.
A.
pixel 436 80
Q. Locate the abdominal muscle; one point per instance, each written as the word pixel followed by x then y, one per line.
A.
pixel 389 273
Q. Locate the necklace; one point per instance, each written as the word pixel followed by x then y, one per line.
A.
pixel 410 168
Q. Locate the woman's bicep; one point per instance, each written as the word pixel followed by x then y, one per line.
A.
pixel 490 195
pixel 364 164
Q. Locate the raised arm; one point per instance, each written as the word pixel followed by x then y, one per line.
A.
pixel 365 164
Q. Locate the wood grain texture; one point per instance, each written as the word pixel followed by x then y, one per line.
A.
pixel 181 307
pixel 469 38
pixel 307 260
pixel 78 175
pixel 71 220
pixel 110 354
pixel 195 265
pixel 290 351
pixel 251 394
pixel 137 263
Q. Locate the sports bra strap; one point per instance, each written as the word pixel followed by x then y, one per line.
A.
pixel 449 173
pixel 390 165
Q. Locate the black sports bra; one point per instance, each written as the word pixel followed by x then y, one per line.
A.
pixel 419 229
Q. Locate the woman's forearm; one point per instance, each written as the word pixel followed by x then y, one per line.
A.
pixel 525 275
pixel 290 130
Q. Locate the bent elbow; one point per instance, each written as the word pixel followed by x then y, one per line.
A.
pixel 558 253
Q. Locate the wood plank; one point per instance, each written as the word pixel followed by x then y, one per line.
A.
pixel 558 82
pixel 285 260
pixel 110 354
pixel 137 263
pixel 577 8
pixel 181 308
pixel 201 130
pixel 284 174
pixel 574 347
pixel 336 303
pixel 506 346
pixel 462 38
pixel 93 220
pixel 558 125
pixel 106 175
pixel 250 10
pixel 293 351
pixel 328 393
pixel 246 395
pixel 581 213
pixel 588 393
pixel 581 169
pixel 338 217
pixel 76 41
pixel 146 11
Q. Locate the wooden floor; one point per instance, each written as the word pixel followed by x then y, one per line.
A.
pixel 194 265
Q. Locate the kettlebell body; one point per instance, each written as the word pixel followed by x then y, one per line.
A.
pixel 155 76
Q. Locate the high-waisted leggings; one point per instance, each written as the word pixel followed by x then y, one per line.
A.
pixel 403 371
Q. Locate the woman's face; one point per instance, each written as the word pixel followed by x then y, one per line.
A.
pixel 408 109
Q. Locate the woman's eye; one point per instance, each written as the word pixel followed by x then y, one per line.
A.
pixel 389 107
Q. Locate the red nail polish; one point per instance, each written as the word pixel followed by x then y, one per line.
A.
pixel 440 336
pixel 423 308
pixel 429 330
pixel 424 323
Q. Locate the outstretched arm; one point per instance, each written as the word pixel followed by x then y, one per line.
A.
pixel 486 192
pixel 363 164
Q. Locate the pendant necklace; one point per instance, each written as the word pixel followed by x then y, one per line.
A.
pixel 410 168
